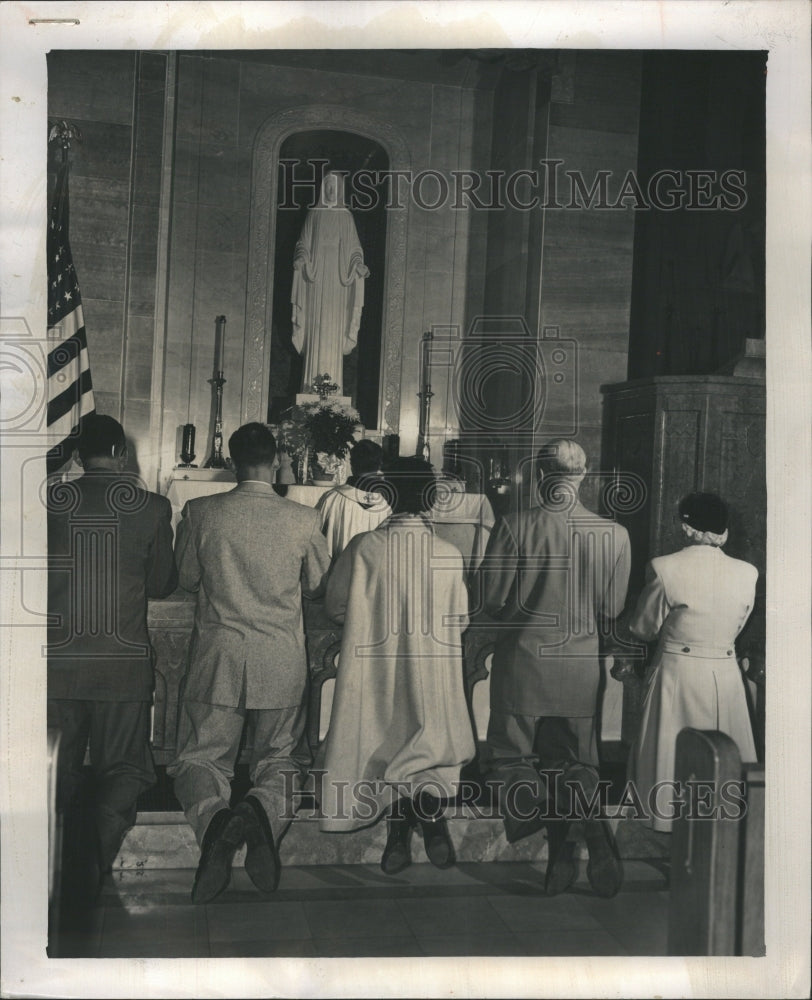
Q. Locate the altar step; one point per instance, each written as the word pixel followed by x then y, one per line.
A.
pixel 164 840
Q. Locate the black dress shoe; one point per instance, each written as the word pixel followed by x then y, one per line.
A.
pixel 428 811
pixel 224 836
pixel 604 870
pixel 437 841
pixel 561 869
pixel 397 854
pixel 261 859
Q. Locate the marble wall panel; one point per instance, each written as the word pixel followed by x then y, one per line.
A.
pixel 446 112
pixel 440 249
pixel 104 225
pixel 436 299
pixel 590 228
pixel 505 288
pixel 104 322
pixel 144 231
pixel 241 187
pixel 462 218
pixel 106 402
pixel 188 101
pixel 140 336
pixel 90 85
pixel 137 379
pixel 136 420
pixel 101 270
pixel 220 96
pixel 103 153
pixel 148 167
pixel 603 77
pixel 221 228
pixel 185 172
pixel 602 115
pixel 590 150
pixel 106 372
pixel 142 283
pixel 183 237
pixel 587 253
pixel 219 290
pixel 216 173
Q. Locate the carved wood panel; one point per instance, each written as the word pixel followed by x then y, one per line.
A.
pixel 686 433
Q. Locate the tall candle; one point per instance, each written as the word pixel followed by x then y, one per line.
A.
pixel 219 342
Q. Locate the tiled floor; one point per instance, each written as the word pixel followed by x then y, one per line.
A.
pixel 355 910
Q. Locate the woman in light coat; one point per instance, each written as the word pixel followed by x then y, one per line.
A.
pixel 400 730
pixel 695 602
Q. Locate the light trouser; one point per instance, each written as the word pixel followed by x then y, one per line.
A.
pixel 208 744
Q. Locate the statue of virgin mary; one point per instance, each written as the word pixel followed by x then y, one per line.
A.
pixel 328 285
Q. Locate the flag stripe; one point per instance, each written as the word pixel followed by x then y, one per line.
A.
pixel 68 326
pixel 72 397
pixel 64 427
pixel 70 388
pixel 66 353
pixel 64 378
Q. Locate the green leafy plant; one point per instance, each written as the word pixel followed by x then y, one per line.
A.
pixel 328 427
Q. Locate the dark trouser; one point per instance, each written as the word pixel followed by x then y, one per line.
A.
pixel 120 759
pixel 519 746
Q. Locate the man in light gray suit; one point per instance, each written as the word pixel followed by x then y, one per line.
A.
pixel 248 554
pixel 555 576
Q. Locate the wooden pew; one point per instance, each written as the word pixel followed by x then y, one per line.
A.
pixel 717 850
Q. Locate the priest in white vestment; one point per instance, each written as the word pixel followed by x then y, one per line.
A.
pixel 356 506
pixel 400 729
pixel 327 296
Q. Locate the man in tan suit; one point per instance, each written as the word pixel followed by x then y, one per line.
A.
pixel 553 576
pixel 248 554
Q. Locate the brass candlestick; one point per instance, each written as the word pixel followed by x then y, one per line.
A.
pixel 216 460
pixel 423 448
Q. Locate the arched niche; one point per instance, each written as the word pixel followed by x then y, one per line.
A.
pixel 262 239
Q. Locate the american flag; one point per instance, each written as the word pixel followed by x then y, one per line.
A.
pixel 70 390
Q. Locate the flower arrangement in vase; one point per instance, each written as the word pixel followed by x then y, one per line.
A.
pixel 320 435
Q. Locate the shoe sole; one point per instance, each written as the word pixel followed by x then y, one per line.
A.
pixel 261 859
pixel 440 854
pixel 213 879
pixel 604 870
pixel 261 865
pixel 560 878
pixel 393 869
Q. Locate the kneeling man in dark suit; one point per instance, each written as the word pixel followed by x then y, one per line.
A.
pixel 248 554
pixel 555 576
pixel 109 549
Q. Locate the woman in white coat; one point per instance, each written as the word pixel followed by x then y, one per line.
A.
pixel 400 729
pixel 695 602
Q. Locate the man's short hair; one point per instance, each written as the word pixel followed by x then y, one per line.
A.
pixel 366 456
pixel 101 437
pixel 252 444
pixel 562 457
pixel 411 485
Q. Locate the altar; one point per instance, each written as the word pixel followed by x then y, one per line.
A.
pixel 463 519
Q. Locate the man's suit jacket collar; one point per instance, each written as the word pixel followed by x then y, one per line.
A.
pixel 255 486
